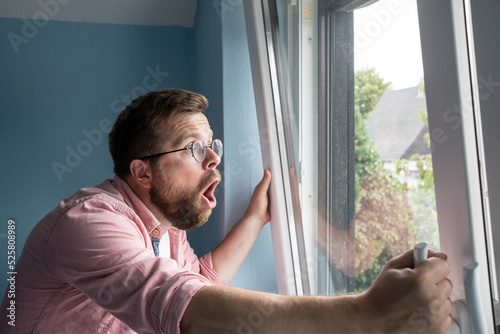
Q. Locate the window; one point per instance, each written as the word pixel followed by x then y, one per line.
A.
pixel 394 183
pixel 350 144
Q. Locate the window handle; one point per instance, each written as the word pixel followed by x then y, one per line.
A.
pixel 472 293
pixel 470 315
pixel 420 253
pixel 471 285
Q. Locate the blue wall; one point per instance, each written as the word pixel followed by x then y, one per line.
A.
pixel 243 161
pixel 208 81
pixel 68 82
pixel 222 72
pixel 70 78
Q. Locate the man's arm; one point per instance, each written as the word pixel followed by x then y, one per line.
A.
pixel 403 299
pixel 230 254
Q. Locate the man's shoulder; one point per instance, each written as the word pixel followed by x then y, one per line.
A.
pixel 104 190
pixel 103 196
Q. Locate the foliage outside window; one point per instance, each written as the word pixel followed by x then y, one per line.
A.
pixel 391 215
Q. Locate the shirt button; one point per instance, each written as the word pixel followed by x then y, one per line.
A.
pixel 156 232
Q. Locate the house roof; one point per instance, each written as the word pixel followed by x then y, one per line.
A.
pixel 394 126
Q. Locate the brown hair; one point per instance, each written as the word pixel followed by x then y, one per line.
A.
pixel 143 127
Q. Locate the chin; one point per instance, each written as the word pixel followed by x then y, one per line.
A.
pixel 194 222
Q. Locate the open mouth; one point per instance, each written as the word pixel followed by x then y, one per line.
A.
pixel 208 195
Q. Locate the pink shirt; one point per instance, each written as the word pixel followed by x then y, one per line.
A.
pixel 89 267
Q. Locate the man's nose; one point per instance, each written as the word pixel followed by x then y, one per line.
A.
pixel 212 160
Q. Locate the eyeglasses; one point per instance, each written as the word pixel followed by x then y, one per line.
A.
pixel 198 150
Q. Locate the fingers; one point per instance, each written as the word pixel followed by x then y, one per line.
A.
pixel 259 203
pixel 402 261
pixel 424 291
pixel 437 307
pixel 437 254
pixel 440 304
pixel 263 185
pixel 405 260
pixel 440 315
pixel 434 269
pixel 446 324
pixel 266 179
pixel 446 288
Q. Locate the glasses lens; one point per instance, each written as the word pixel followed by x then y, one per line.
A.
pixel 217 147
pixel 199 150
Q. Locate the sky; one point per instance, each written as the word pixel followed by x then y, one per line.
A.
pixel 387 38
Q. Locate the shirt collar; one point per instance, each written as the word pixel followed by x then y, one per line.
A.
pixel 152 224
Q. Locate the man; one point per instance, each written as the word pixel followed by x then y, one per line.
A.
pixel 97 264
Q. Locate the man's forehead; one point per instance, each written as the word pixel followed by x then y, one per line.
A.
pixel 184 126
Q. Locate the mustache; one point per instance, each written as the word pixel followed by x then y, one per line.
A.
pixel 211 176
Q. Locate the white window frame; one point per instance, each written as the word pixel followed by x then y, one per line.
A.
pixel 460 181
pixel 291 268
pixel 452 94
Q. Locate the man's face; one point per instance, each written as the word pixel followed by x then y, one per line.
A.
pixel 183 188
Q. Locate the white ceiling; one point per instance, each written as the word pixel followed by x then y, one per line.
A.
pixel 179 13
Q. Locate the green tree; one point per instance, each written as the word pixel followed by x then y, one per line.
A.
pixel 383 219
pixel 365 152
pixel 389 216
pixel 368 88
pixel 383 224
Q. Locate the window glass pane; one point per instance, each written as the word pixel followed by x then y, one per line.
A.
pixel 395 200
pixel 356 130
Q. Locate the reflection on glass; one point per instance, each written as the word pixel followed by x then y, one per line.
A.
pixel 395 202
pixel 362 167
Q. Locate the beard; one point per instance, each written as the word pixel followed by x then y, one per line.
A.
pixel 182 207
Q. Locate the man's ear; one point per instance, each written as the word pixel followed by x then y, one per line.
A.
pixel 141 173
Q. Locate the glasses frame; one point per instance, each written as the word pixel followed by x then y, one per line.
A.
pixel 191 148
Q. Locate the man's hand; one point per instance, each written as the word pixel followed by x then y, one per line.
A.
pixel 258 209
pixel 228 257
pixel 404 299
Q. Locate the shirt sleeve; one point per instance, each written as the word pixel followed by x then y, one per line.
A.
pixel 207 270
pixel 103 251
pixel 203 265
